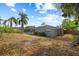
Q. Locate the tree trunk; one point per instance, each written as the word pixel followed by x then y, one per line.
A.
pixel 10 24
pixel 22 27
pixel 1 33
pixel 62 33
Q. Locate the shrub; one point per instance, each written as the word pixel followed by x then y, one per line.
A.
pixel 7 29
pixel 16 31
pixel 40 33
pixel 69 37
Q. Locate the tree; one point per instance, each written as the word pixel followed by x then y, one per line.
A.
pixel 1 20
pixel 5 21
pixel 69 25
pixel 23 19
pixel 70 9
pixel 11 21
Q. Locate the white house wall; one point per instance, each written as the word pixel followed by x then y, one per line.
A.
pixel 51 34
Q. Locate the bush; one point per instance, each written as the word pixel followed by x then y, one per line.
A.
pixel 40 33
pixel 69 37
pixel 16 31
pixel 7 29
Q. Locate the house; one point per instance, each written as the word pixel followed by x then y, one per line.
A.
pixel 29 29
pixel 50 31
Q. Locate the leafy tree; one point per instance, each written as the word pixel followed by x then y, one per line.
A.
pixel 23 19
pixel 68 24
pixel 70 10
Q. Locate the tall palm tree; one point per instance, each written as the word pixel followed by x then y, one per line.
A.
pixel 5 21
pixel 11 21
pixel 23 19
pixel 1 20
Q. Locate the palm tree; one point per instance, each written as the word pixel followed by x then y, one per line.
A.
pixel 11 21
pixel 1 20
pixel 5 21
pixel 23 19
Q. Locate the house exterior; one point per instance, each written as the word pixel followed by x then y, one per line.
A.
pixel 50 31
pixel 30 29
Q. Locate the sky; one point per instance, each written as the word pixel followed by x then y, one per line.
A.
pixel 37 12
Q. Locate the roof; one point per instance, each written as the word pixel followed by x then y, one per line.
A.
pixel 45 28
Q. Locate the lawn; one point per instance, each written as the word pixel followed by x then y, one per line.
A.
pixel 20 44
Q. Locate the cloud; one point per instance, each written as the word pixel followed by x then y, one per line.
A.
pixel 42 11
pixel 30 4
pixel 39 18
pixel 24 10
pixel 53 19
pixel 48 18
pixel 38 6
pixel 10 4
pixel 49 6
pixel 43 7
pixel 16 15
pixel 32 16
pixel 13 9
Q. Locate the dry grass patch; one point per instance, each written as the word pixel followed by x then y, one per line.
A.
pixel 23 44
